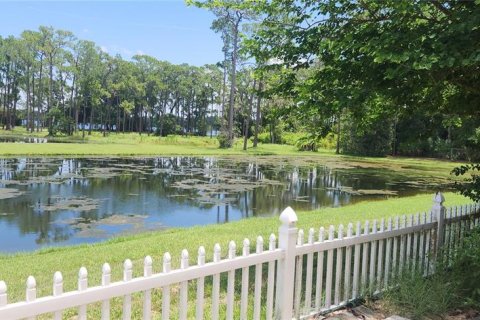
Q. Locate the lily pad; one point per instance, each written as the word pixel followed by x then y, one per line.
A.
pixel 7 193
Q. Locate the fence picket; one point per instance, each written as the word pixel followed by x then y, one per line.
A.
pixel 380 256
pixel 356 265
pixel 167 265
pixel 453 227
pixel 309 277
pixel 338 271
pixel 319 275
pixel 328 285
pixel 257 307
pixel 106 276
pixel 271 279
pixel 403 240
pixel 298 276
pixel 127 300
pixel 348 266
pixel 415 243
pixel 200 286
pixel 395 249
pixel 373 256
pixel 147 294
pixel 366 245
pixel 408 254
pixel 3 294
pixel 232 247
pixel 57 291
pixel 245 276
pixel 427 246
pixel 421 252
pixel 82 286
pixel 216 284
pixel 31 293
pixel 388 253
pixel 461 223
pixel 183 305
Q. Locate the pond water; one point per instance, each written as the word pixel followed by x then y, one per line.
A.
pixel 56 201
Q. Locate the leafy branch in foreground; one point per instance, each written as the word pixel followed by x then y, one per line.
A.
pixel 470 187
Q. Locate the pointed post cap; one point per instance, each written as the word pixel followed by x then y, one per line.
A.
pixel 288 217
pixel 438 198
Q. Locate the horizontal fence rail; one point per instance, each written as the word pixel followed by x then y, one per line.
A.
pixel 306 274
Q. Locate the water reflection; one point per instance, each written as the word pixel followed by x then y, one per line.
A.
pixel 48 201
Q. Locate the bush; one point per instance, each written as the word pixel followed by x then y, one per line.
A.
pixel 417 296
pixel 169 125
pixel 224 141
pixel 466 269
pixel 366 139
pixel 307 143
pixel 449 288
pixel 59 123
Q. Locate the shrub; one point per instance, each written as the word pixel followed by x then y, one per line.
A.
pixel 417 296
pixel 307 143
pixel 466 269
pixel 224 141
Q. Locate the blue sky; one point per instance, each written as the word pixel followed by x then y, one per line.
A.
pixel 165 29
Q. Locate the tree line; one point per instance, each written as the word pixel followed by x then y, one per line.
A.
pixel 390 77
pixel 387 77
pixel 49 79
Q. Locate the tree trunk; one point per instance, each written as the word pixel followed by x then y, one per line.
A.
pixel 257 117
pixel 249 114
pixel 40 93
pixel 84 116
pixel 27 125
pixel 92 111
pixel 117 129
pixel 337 151
pixel 32 124
pixel 234 81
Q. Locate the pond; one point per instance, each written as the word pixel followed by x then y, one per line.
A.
pixel 57 201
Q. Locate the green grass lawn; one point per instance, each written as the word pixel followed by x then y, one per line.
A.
pixel 133 144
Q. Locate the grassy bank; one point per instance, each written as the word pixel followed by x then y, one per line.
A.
pixel 42 264
pixel 132 144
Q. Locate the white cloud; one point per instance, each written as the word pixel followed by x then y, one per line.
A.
pixel 104 49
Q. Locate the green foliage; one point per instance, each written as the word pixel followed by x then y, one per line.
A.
pixel 466 269
pixel 416 57
pixel 264 137
pixel 416 297
pixel 169 125
pixel 471 185
pixel 447 289
pixel 224 141
pixel 59 123
pixel 307 143
pixel 368 138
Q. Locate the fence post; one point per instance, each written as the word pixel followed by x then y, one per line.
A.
pixel 438 211
pixel 3 294
pixel 286 267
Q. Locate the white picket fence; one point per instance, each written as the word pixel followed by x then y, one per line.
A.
pixel 295 280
